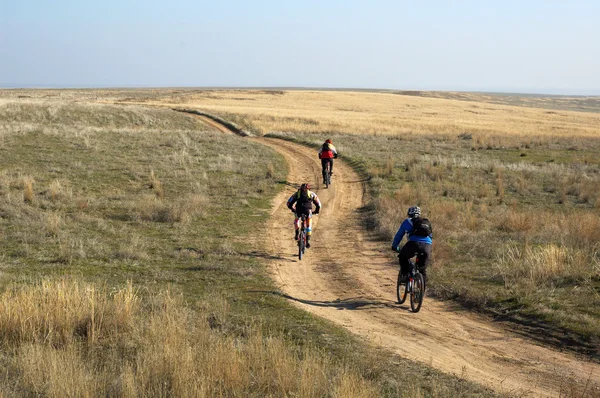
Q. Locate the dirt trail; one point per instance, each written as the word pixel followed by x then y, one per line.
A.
pixel 349 278
pixel 212 123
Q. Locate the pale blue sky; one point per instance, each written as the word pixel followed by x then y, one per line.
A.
pixel 535 46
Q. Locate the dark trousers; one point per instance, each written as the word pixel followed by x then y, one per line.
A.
pixel 409 250
pixel 324 165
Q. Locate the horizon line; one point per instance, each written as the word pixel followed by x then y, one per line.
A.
pixel 544 92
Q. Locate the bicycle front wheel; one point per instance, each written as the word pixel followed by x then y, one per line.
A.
pixel 401 290
pixel 417 293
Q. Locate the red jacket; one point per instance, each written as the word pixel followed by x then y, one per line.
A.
pixel 327 151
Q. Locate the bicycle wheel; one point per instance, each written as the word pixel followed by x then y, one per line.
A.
pixel 417 293
pixel 301 243
pixel 401 290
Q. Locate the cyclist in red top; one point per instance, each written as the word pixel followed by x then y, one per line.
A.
pixel 304 199
pixel 327 153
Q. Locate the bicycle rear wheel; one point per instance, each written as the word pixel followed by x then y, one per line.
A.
pixel 401 290
pixel 417 293
pixel 301 243
pixel 326 178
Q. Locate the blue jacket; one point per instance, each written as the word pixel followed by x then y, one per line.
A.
pixel 406 228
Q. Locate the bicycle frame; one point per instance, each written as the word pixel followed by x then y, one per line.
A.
pixel 302 236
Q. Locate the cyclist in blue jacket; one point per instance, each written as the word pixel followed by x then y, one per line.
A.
pixel 419 234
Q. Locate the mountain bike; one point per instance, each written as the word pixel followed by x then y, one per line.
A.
pixel 302 236
pixel 415 286
pixel 327 175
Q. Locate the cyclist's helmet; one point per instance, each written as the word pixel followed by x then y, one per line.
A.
pixel 328 141
pixel 304 187
pixel 414 211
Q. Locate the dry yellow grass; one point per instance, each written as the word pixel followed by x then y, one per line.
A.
pixel 28 190
pixel 159 348
pixel 386 113
pixel 156 185
pixel 57 313
pixel 521 264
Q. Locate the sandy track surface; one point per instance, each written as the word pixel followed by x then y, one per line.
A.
pixel 349 278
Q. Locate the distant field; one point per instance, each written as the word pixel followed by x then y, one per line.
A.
pixel 579 103
pixel 265 111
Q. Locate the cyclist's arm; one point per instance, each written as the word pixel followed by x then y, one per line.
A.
pixel 400 234
pixel 291 201
pixel 317 203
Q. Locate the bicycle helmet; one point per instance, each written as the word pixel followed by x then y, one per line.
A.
pixel 328 141
pixel 304 187
pixel 414 211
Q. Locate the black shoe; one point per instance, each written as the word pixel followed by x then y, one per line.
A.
pixel 404 278
pixel 308 242
pixel 296 235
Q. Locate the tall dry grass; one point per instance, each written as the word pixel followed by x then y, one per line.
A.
pixel 57 313
pixel 541 265
pixel 68 338
pixel 28 190
pixel 156 185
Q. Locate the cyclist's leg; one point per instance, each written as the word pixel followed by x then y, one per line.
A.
pixel 308 228
pixel 296 225
pixel 331 166
pixel 424 255
pixel 323 168
pixel 406 253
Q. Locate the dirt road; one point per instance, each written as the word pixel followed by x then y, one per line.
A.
pixel 348 278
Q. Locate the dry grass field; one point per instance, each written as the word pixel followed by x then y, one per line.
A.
pixel 390 114
pixel 513 191
pixel 68 338
pixel 128 266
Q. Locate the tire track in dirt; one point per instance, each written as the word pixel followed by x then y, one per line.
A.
pixel 349 278
pixel 212 123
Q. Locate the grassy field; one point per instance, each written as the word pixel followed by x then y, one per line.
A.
pixel 129 264
pixel 513 191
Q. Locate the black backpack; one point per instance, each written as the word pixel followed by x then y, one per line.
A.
pixel 304 201
pixel 421 227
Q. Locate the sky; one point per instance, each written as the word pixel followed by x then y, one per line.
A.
pixel 526 46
